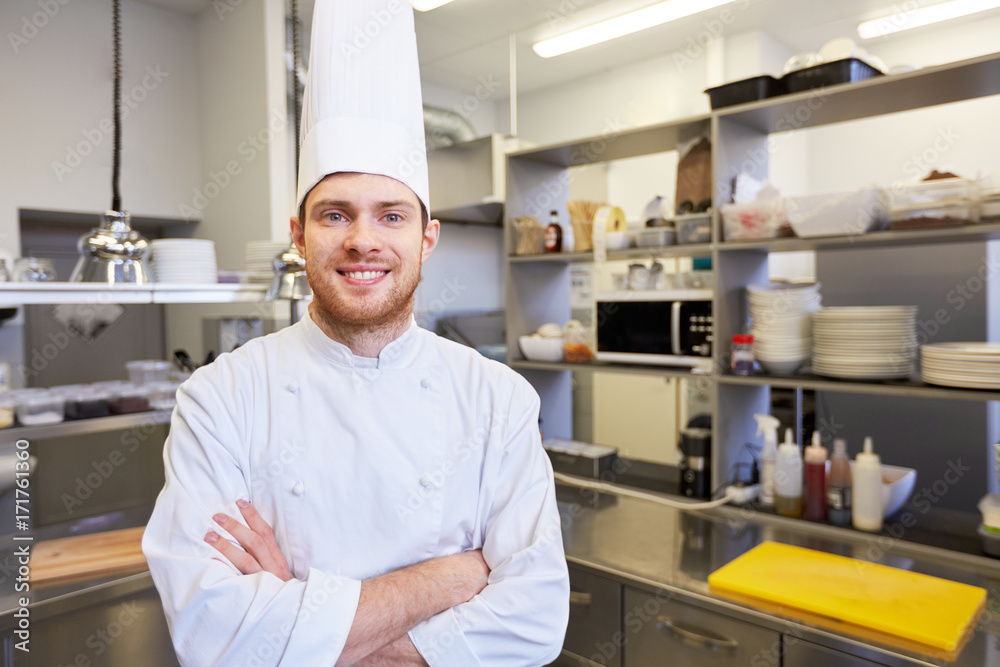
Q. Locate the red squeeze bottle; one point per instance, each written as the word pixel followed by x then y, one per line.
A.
pixel 814 501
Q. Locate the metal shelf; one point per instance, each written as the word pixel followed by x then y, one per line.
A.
pixel 928 87
pixel 85 426
pixel 599 367
pixel 903 388
pixel 555 257
pixel 692 250
pixel 967 233
pixel 682 250
pixel 16 294
pixel 616 145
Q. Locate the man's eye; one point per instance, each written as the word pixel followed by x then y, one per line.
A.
pixel 394 217
pixel 334 217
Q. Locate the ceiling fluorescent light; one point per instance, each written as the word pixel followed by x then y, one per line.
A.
pixel 922 16
pixel 626 24
pixel 427 5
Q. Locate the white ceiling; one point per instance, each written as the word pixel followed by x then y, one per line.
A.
pixel 468 39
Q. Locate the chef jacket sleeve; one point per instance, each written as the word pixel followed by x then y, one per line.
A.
pixel 216 615
pixel 520 618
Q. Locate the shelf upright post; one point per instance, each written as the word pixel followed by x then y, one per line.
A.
pixel 538 292
pixel 736 148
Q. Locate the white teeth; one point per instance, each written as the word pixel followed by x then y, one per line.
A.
pixel 365 275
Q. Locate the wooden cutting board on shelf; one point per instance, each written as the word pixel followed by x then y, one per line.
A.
pixel 930 611
pixel 88 556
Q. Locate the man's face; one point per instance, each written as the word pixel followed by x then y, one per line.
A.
pixel 364 246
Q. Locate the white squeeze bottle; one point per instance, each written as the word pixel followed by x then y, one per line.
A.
pixel 768 426
pixel 788 478
pixel 866 492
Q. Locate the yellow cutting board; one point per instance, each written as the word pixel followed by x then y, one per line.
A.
pixel 88 556
pixel 928 610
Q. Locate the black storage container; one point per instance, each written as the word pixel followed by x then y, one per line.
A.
pixel 747 90
pixel 847 70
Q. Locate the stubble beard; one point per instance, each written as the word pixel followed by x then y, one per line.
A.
pixel 353 317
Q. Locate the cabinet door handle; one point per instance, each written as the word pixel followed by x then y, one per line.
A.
pixel 576 597
pixel 698 638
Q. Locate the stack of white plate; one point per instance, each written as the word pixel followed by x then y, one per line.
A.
pixel 782 324
pixel 974 365
pixel 260 259
pixel 865 342
pixel 189 261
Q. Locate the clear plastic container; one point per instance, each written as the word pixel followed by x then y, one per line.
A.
pixel 128 400
pixel 655 237
pixel 928 216
pixel 579 344
pixel 163 395
pixel 43 407
pixel 88 403
pixel 148 371
pixel 936 192
pixel 698 279
pixel 761 219
pixel 696 228
pixel 742 354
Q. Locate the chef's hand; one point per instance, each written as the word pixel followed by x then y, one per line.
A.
pixel 260 551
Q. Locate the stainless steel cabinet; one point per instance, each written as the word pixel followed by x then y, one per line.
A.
pixel 595 619
pixel 676 634
pixel 798 653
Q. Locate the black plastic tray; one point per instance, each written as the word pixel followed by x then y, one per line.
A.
pixel 747 90
pixel 847 70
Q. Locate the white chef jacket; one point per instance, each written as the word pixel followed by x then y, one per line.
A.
pixel 361 466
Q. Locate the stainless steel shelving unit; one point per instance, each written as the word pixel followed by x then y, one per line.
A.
pixel 538 286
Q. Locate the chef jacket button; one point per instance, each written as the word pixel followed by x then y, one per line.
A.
pixel 425 383
pixel 299 488
pixel 426 481
pixel 293 387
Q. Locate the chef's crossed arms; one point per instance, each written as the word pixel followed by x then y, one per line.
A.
pixel 389 604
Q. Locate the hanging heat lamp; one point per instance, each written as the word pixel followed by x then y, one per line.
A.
pixel 114 253
pixel 290 280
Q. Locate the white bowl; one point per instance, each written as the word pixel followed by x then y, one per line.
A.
pixel 781 368
pixel 897 486
pixel 897 491
pixel 541 349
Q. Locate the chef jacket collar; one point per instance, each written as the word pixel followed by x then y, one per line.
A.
pixel 397 353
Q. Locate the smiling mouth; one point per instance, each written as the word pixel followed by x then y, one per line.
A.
pixel 363 275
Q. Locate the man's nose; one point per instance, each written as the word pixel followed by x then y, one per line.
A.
pixel 362 237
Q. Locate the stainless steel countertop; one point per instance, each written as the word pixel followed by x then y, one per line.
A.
pixel 655 547
pixel 659 548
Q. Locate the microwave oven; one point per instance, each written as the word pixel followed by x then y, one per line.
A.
pixel 666 328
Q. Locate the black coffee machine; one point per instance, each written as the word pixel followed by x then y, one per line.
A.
pixel 696 458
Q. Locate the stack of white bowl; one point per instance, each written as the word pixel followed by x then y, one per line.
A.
pixel 260 259
pixel 865 342
pixel 782 324
pixel 190 261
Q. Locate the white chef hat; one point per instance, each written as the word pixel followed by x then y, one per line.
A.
pixel 362 109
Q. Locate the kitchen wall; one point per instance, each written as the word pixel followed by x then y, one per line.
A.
pixel 55 132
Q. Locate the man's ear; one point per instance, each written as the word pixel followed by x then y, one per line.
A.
pixel 430 240
pixel 298 234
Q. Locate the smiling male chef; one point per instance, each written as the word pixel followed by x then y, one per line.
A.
pixel 354 489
